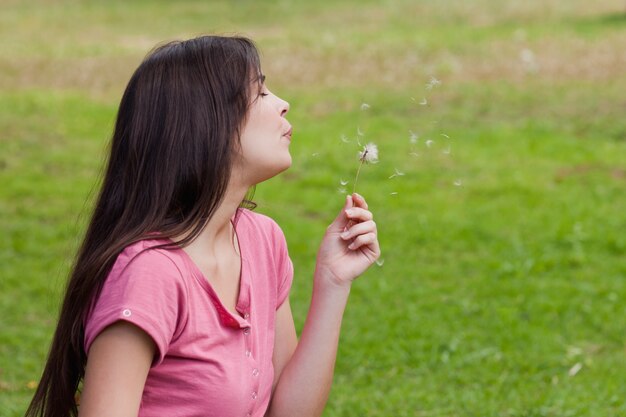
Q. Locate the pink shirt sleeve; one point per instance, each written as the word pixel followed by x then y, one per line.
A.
pixel 144 289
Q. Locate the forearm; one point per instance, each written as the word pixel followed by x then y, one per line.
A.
pixel 304 384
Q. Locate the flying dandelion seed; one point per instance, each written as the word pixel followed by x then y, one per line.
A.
pixel 342 182
pixel 413 137
pixel 396 173
pixel 575 369
pixel 415 154
pixel 345 139
pixel 315 154
pixel 393 193
pixel 432 83
pixel 380 262
pixel 341 190
pixel 423 102
pixel 445 136
pixel 413 98
pixel 369 155
pixel 365 106
pixel 429 143
pixel 446 151
pixel 529 62
pixel 359 132
pixel 458 183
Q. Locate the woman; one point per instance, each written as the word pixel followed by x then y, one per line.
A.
pixel 177 304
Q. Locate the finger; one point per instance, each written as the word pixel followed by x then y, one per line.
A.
pixel 341 221
pixel 363 240
pixel 358 214
pixel 359 201
pixel 359 229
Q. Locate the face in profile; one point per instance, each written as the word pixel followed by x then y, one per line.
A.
pixel 265 137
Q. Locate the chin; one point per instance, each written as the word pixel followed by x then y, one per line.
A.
pixel 283 167
pixel 274 170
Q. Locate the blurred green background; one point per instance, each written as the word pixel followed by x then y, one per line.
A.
pixel 504 277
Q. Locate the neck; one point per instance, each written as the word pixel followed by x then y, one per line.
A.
pixel 218 231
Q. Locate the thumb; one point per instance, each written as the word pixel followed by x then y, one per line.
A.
pixel 341 221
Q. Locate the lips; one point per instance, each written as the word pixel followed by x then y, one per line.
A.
pixel 288 133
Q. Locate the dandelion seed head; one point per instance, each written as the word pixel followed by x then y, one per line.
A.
pixel 365 106
pixel 369 154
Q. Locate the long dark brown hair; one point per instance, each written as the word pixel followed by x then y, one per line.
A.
pixel 169 164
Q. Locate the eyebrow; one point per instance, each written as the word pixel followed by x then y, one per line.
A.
pixel 262 78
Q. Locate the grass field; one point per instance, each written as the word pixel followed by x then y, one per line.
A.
pixel 503 287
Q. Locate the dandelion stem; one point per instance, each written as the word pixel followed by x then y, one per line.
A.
pixel 357 176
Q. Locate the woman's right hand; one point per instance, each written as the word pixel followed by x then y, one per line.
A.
pixel 350 244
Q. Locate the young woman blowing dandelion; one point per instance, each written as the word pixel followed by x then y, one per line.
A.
pixel 178 302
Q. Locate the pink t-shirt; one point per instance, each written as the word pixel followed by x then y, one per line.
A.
pixel 209 362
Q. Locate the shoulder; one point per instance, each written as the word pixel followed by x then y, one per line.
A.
pixel 257 218
pixel 145 257
pixel 146 288
pixel 260 223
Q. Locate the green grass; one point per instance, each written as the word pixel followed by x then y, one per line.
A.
pixel 490 292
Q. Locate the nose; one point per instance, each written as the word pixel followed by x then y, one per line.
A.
pixel 284 107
